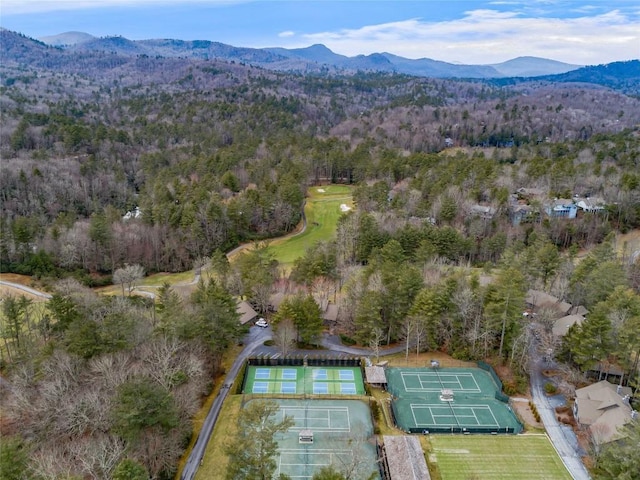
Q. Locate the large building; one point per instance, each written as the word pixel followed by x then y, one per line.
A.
pixel 603 408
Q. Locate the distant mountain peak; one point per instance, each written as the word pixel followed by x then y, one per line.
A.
pixel 312 57
pixel 67 39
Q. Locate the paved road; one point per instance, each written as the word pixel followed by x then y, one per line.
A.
pixel 26 289
pixel 256 337
pixel 562 444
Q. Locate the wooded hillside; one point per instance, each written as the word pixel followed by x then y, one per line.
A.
pixel 467 195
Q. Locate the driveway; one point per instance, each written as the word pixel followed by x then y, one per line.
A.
pixel 565 447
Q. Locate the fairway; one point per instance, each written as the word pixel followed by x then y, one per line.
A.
pixel 491 457
pixel 322 211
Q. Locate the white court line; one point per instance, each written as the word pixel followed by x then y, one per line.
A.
pixel 303 411
pixel 327 452
pixel 475 416
pixel 474 381
pixel 430 382
pixel 494 417
pixel 456 416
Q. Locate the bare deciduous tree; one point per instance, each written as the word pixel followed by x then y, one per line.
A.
pixel 128 276
pixel 377 335
pixel 284 335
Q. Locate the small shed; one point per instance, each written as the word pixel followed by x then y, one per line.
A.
pixel 404 458
pixel 376 376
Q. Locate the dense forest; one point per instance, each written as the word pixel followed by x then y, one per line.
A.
pixel 110 162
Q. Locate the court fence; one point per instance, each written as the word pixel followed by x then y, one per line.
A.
pixel 502 397
pixel 488 368
pixel 464 430
pixel 300 361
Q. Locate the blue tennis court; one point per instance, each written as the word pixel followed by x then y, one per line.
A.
pixel 319 374
pixel 320 388
pixel 346 375
pixel 289 374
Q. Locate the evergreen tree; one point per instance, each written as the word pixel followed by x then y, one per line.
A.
pixel 253 450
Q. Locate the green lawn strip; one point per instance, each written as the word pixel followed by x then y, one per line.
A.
pixel 215 459
pixel 490 457
pixel 322 211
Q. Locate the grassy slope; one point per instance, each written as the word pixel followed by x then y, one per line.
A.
pixel 322 211
pixel 487 457
pixel 215 459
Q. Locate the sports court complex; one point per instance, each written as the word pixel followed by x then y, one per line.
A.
pixel 449 400
pixel 303 380
pixel 326 432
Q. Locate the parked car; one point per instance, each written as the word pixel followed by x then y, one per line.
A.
pixel 262 323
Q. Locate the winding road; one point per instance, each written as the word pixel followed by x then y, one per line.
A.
pixel 25 289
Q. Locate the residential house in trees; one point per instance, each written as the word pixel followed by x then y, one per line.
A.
pixel 246 311
pixel 520 210
pixel 537 300
pixel 603 407
pixel 591 205
pixel 562 208
pixel 530 194
pixel 483 211
pixel 562 325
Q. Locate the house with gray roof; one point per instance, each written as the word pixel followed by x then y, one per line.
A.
pixel 603 408
pixel 537 300
pixel 562 325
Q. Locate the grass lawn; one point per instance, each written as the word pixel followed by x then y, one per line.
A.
pixel 322 211
pixel 215 459
pixel 489 457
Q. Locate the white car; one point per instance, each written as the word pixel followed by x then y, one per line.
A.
pixel 262 323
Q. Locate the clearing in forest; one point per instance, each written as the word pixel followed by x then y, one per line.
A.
pixel 324 206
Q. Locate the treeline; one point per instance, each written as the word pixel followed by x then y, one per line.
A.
pixel 198 203
pixel 215 154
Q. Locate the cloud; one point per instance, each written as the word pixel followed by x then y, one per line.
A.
pixel 491 36
pixel 14 7
pixel 286 34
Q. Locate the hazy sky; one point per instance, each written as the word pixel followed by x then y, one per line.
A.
pixel 579 32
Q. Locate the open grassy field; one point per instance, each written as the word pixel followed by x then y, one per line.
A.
pixel 323 209
pixel 491 457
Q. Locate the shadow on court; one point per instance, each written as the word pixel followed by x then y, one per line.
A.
pixel 342 434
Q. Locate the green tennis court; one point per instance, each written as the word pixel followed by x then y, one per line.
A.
pixel 452 400
pixel 304 380
pixel 342 436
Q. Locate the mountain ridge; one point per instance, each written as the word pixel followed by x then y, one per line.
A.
pixel 313 57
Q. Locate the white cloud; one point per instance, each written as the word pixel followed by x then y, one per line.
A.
pixel 12 7
pixel 488 36
pixel 286 34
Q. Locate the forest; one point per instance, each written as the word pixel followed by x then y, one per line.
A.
pixel 115 166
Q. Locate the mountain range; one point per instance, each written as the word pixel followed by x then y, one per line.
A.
pixel 308 59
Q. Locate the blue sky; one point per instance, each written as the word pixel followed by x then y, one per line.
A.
pixel 479 31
